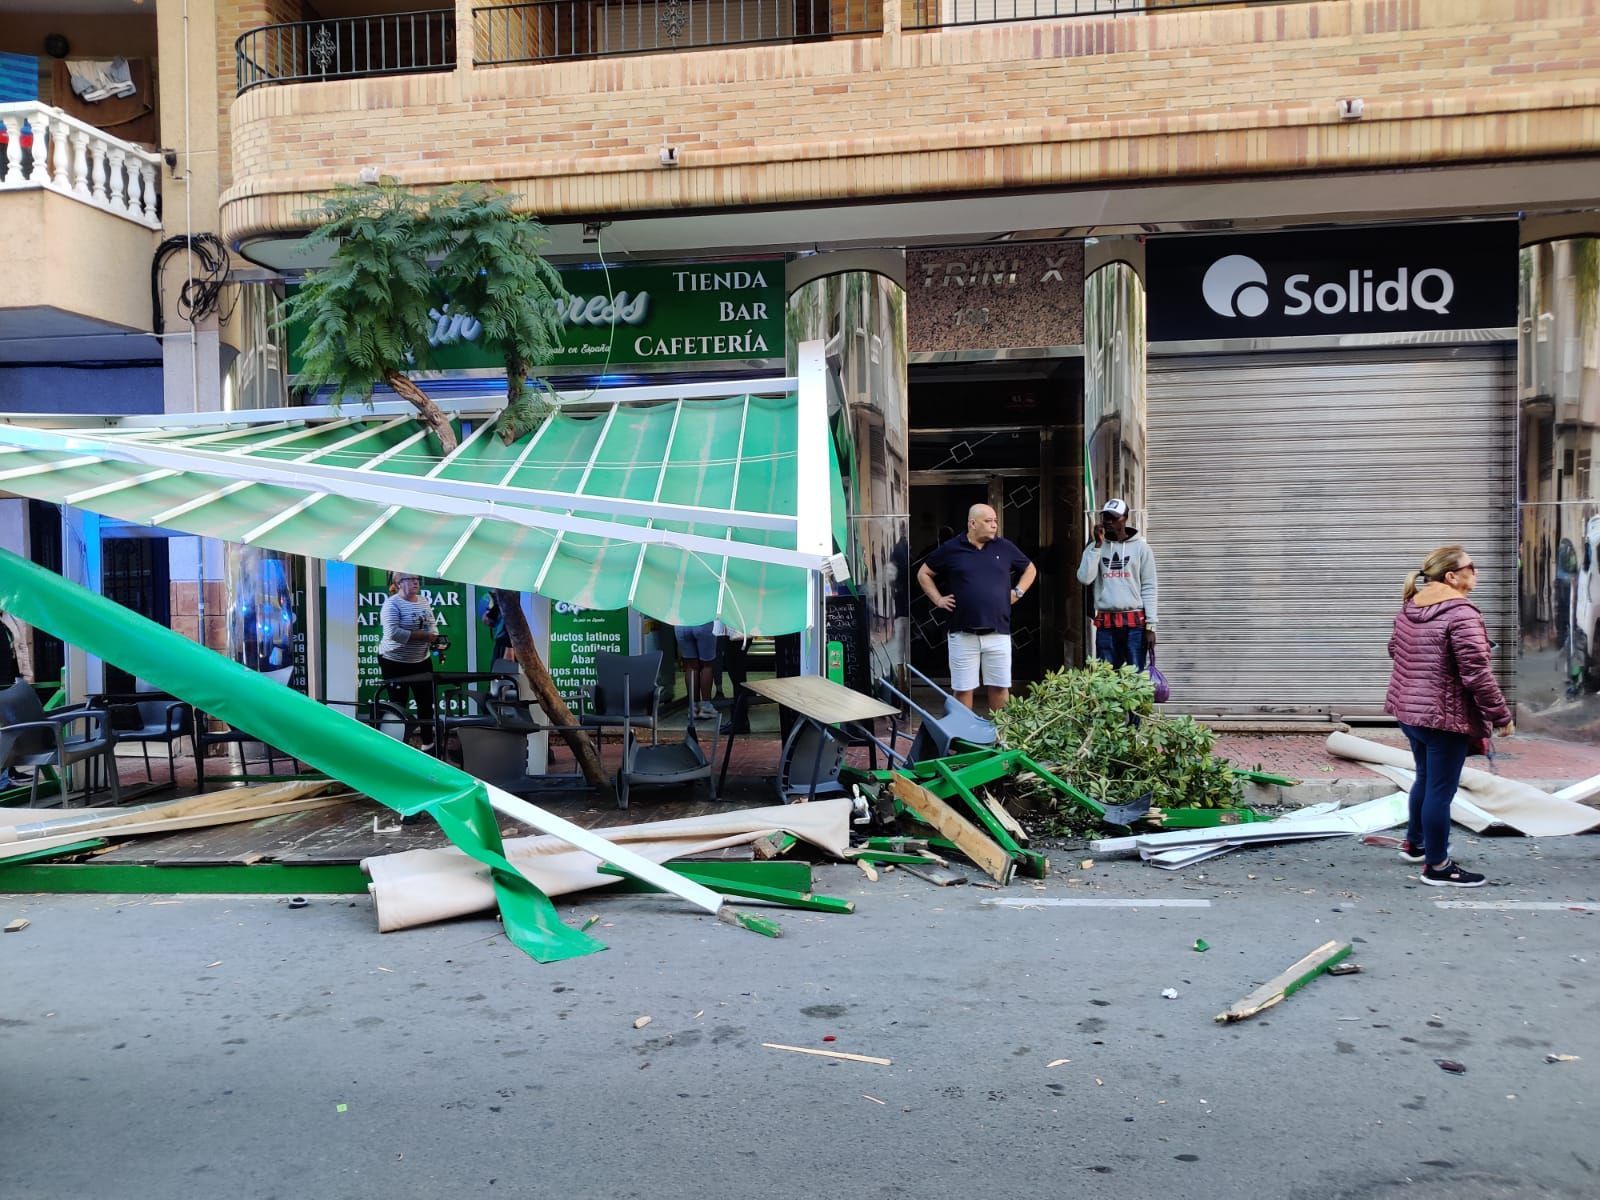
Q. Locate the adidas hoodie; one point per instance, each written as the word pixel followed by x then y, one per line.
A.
pixel 1123 574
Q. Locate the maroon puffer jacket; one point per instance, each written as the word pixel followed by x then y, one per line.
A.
pixel 1443 674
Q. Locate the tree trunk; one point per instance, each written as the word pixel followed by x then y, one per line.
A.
pixel 432 415
pixel 522 415
pixel 510 603
pixel 555 708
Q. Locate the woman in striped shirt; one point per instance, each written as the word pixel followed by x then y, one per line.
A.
pixel 410 631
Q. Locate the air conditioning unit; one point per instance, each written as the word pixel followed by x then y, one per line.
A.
pixel 1536 361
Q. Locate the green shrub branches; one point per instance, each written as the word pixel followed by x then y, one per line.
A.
pixel 1098 726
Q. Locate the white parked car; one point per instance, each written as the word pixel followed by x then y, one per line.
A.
pixel 1586 618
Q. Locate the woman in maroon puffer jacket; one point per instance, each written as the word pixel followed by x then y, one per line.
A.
pixel 1444 694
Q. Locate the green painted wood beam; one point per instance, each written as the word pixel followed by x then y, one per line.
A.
pixel 274 879
pixel 789 899
pixel 787 874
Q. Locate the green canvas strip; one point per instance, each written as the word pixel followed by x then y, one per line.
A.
pixel 357 755
pixel 1263 777
pixel 1208 818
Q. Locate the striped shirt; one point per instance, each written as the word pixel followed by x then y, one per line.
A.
pixel 399 617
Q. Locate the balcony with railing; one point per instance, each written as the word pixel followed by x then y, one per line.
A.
pixel 551 30
pixel 605 106
pixel 346 48
pixel 43 147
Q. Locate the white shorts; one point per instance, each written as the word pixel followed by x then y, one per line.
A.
pixel 975 653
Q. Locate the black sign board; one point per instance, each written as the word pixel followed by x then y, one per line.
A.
pixel 1390 280
pixel 847 625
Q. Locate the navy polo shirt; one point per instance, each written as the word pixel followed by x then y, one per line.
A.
pixel 980 580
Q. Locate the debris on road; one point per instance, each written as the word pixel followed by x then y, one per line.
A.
pixel 641 1022
pixel 936 877
pixel 765 926
pixel 18 925
pixel 1169 993
pixel 1286 984
pixel 866 869
pixel 863 1058
pixel 1561 1058
pixel 1450 1065
pixel 1201 945
pixel 1345 968
pixel 1057 1062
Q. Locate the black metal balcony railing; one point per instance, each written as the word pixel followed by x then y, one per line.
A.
pixel 312 51
pixel 550 30
pixel 942 14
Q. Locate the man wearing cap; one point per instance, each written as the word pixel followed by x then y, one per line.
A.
pixel 985 575
pixel 1122 568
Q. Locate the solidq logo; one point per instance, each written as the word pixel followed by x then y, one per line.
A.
pixel 1236 286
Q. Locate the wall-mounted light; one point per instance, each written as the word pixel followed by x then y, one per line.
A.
pixel 591 231
pixel 669 155
pixel 1352 109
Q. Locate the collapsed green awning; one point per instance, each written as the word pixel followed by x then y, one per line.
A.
pixel 689 506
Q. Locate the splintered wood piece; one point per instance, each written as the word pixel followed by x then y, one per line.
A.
pixel 1286 984
pixel 18 925
pixel 866 869
pixel 866 1058
pixel 765 926
pixel 971 841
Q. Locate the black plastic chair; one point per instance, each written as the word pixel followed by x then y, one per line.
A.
pixel 626 695
pixel 205 737
pixel 147 716
pixel 33 738
pixel 658 766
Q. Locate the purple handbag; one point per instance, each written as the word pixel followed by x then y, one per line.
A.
pixel 1163 688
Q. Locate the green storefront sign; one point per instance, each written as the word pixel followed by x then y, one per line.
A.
pixel 576 636
pixel 449 601
pixel 631 316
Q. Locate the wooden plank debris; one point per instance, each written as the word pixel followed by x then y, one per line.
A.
pixel 18 925
pixel 976 845
pixel 863 1058
pixel 1288 983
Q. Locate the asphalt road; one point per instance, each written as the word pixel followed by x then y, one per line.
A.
pixel 169 1048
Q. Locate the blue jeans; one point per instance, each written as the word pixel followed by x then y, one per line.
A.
pixel 1120 647
pixel 1439 756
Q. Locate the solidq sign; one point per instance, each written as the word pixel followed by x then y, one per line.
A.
pixel 1336 281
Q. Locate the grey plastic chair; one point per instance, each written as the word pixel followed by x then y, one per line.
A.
pixel 626 694
pixel 147 715
pixel 205 737
pixel 658 766
pixel 33 738
pixel 937 733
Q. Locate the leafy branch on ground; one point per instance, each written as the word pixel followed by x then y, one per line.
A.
pixel 1098 727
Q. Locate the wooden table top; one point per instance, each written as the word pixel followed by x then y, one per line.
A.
pixel 821 699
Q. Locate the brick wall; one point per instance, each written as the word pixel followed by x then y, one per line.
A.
pixel 1037 103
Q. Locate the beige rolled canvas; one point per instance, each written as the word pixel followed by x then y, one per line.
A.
pixel 416 887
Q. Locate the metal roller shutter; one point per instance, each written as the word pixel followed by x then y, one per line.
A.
pixel 1290 493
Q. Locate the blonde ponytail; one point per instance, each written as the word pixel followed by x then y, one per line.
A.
pixel 1434 568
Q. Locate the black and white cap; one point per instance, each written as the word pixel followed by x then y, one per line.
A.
pixel 1115 508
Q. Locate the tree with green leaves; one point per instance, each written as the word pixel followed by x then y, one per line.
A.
pixel 366 316
pixel 491 268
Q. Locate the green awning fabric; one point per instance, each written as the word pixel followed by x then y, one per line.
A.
pixel 379 766
pixel 687 509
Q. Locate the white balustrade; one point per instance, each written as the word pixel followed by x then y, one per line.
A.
pixel 46 148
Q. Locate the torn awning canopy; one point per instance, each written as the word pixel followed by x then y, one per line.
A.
pixel 685 507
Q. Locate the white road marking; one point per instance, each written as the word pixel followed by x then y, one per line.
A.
pixel 1522 905
pixel 1092 902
